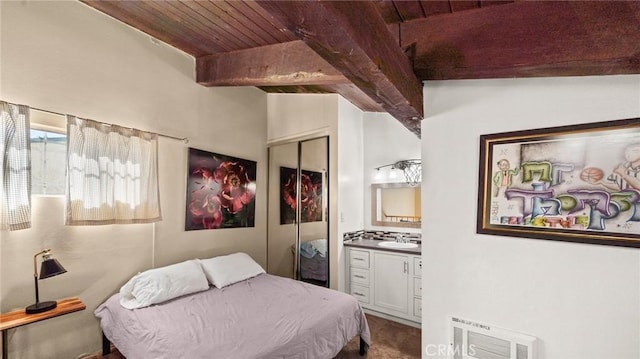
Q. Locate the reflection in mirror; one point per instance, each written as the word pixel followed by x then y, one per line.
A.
pixel 280 238
pixel 395 205
pixel 298 225
pixel 313 265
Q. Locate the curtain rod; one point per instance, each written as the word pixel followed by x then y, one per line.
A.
pixel 183 139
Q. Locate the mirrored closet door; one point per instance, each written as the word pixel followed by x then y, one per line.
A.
pixel 298 216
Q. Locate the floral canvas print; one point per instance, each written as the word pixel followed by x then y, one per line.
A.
pixel 311 198
pixel 220 191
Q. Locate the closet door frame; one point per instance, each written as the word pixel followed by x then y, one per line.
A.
pixel 326 209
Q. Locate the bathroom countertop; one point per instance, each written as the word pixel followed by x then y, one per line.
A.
pixel 373 244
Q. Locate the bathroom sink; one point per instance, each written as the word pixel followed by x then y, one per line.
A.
pixel 389 244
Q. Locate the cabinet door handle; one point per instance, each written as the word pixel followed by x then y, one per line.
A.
pixel 358 294
pixel 358 276
pixel 358 259
pixel 406 267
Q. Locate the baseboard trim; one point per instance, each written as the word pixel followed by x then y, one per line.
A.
pixel 393 318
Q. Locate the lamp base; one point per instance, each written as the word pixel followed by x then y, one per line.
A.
pixel 40 307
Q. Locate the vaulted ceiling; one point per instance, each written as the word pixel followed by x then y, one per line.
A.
pixel 376 53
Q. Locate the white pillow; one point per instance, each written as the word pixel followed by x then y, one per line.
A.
pixel 161 284
pixel 225 270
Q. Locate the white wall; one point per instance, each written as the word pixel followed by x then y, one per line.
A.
pixel 69 58
pixel 582 301
pixel 386 141
pixel 295 116
pixel 350 176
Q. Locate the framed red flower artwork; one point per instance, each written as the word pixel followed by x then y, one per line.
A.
pixel 221 191
pixel 310 199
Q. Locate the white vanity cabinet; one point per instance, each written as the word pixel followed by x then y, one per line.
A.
pixel 417 288
pixel 391 281
pixel 359 275
pixel 387 282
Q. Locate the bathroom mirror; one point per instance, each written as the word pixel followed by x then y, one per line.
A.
pixel 395 205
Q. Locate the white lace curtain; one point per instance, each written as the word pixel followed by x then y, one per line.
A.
pixel 15 165
pixel 112 174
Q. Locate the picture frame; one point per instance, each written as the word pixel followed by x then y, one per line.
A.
pixel 221 191
pixel 576 183
pixel 312 194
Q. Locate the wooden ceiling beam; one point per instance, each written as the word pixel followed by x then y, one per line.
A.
pixel 285 64
pixel 347 90
pixel 353 38
pixel 576 38
pixel 289 67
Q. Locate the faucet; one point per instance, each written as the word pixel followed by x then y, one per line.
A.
pixel 400 238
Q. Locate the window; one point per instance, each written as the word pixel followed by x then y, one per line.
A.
pixel 48 162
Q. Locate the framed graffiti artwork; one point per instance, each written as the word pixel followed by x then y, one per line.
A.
pixel 578 183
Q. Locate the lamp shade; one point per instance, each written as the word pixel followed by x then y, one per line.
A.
pixel 51 267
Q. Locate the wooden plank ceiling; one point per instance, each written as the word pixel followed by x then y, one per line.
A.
pixel 376 53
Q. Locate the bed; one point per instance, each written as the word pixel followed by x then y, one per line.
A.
pixel 264 316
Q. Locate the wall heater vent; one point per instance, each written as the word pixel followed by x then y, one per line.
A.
pixel 471 340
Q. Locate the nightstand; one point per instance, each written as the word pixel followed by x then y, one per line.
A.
pixel 18 318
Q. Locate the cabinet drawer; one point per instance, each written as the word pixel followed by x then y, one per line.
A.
pixel 359 259
pixel 360 276
pixel 417 307
pixel 417 287
pixel 417 266
pixel 360 292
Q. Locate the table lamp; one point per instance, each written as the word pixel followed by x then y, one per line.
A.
pixel 50 267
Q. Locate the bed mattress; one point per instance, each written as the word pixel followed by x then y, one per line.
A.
pixel 262 317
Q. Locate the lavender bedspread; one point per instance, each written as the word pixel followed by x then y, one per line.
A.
pixel 262 317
